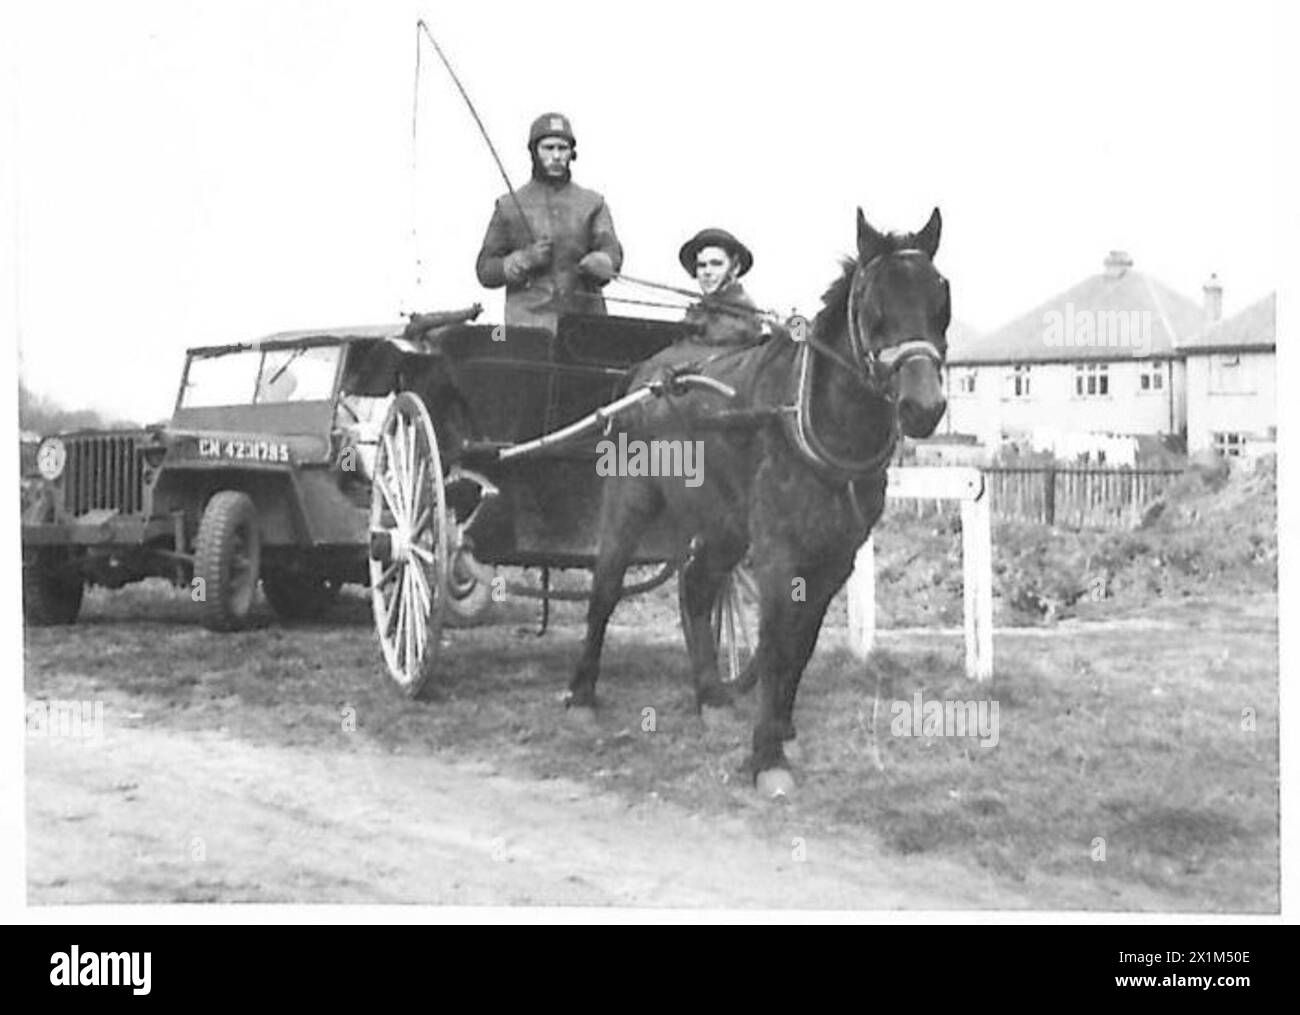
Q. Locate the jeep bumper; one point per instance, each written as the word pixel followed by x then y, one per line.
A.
pixel 116 531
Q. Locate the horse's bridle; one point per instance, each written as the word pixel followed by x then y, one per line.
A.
pixel 882 364
pixel 872 369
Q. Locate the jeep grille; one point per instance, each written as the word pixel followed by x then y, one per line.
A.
pixel 103 472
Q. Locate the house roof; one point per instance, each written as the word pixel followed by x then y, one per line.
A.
pixel 1252 328
pixel 1054 332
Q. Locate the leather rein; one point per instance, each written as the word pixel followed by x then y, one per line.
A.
pixel 870 368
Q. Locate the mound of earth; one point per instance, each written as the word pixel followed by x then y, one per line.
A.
pixel 1215 530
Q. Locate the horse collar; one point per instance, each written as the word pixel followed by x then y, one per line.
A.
pixel 812 448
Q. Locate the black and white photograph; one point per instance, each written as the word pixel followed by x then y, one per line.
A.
pixel 849 487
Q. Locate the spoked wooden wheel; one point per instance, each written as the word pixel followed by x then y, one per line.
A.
pixel 735 623
pixel 408 545
pixel 734 620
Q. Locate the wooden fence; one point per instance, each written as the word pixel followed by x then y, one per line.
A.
pixel 1069 497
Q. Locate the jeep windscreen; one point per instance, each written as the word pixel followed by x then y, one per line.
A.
pixel 261 377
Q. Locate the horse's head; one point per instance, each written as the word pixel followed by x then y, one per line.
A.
pixel 898 310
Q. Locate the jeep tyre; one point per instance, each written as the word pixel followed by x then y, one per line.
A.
pixel 50 596
pixel 227 557
pixel 299 596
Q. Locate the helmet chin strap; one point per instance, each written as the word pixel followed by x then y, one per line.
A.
pixel 541 175
pixel 722 284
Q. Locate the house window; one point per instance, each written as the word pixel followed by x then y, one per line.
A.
pixel 964 382
pixel 1230 444
pixel 1229 376
pixel 1018 382
pixel 1151 377
pixel 1092 380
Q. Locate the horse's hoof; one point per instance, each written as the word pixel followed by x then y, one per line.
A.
pixel 775 783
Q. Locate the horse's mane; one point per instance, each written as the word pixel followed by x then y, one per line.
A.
pixel 835 300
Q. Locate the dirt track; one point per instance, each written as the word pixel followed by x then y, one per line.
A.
pixel 123 818
pixel 222 774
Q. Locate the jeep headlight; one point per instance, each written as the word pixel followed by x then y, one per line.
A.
pixel 51 457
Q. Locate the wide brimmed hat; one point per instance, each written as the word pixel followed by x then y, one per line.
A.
pixel 714 238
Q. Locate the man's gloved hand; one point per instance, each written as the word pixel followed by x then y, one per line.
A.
pixel 519 264
pixel 515 267
pixel 597 265
pixel 537 254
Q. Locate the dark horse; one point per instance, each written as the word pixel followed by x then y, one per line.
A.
pixel 798 482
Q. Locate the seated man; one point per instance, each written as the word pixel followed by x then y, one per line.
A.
pixel 724 315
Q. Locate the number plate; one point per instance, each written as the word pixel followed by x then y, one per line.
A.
pixel 238 450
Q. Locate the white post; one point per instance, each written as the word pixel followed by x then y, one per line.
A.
pixel 862 601
pixel 977 585
pixel 967 486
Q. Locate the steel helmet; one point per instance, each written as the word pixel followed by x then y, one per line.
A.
pixel 551 125
pixel 714 238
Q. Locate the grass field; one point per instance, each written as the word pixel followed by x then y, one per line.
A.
pixel 1129 731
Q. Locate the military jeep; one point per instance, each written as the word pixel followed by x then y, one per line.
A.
pixel 260 475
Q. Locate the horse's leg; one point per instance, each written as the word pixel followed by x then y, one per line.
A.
pixel 820 590
pixel 820 586
pixel 627 507
pixel 788 634
pixel 770 660
pixel 702 579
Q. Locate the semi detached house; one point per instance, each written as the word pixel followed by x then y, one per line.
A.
pixel 1119 354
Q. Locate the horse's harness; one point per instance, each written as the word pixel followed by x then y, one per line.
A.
pixel 872 369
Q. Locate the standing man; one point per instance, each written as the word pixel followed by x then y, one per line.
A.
pixel 557 260
pixel 725 314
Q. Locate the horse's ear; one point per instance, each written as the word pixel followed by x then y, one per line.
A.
pixel 928 238
pixel 869 241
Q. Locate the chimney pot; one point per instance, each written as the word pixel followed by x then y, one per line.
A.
pixel 1117 263
pixel 1213 305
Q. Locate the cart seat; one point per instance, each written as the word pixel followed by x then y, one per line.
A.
pixel 520 382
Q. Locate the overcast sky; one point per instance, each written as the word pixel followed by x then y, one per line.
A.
pixel 189 173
